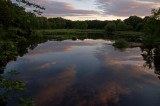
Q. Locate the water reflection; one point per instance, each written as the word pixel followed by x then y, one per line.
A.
pixel 88 72
pixel 152 58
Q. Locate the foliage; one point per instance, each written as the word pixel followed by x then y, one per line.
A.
pixel 152 26
pixel 68 31
pixel 8 50
pixel 121 26
pixel 133 21
pixel 15 29
pixel 96 24
pixel 80 25
pixel 37 7
pixel 120 44
pixel 17 35
pixel 74 38
pixel 8 85
pixel 151 41
pixel 26 102
pixel 156 13
pixel 110 27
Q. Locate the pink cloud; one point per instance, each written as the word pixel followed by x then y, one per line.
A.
pixel 45 65
pixel 125 7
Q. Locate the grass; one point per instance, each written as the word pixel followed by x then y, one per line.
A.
pixel 67 31
pixel 128 33
pixel 129 36
pixel 65 37
pixel 62 34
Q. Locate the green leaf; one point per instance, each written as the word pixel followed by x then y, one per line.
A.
pixel 13 72
pixel 26 102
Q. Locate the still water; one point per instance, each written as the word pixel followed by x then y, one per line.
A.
pixel 86 73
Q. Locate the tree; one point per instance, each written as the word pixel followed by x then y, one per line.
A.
pixel 133 21
pixel 80 25
pixel 152 26
pixel 96 24
pixel 110 27
pixel 37 8
pixel 121 26
pixel 15 26
pixel 156 13
pixel 145 19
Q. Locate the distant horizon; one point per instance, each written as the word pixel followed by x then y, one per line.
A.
pixel 96 9
pixel 90 20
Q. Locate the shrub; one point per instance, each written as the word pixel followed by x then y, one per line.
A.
pixel 110 27
pixel 74 38
pixel 121 26
pixel 121 44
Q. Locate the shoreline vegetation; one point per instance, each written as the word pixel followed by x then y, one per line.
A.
pixel 134 39
pixel 76 32
pixel 21 30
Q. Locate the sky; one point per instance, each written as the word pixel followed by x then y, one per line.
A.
pixel 97 9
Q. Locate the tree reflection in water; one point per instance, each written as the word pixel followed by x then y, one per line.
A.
pixel 9 51
pixel 151 55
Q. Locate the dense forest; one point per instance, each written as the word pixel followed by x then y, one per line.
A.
pixel 17 28
pixel 15 16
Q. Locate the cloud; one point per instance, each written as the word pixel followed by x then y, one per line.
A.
pixel 57 9
pixel 126 8
pixel 153 1
pixel 96 9
pixel 55 47
pixel 45 65
pixel 46 50
pixel 113 76
pixel 54 87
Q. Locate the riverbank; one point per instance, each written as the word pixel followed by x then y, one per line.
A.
pixel 62 34
pixel 68 31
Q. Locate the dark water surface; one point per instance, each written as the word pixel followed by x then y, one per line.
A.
pixel 86 73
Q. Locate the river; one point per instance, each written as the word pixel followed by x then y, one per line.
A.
pixel 86 73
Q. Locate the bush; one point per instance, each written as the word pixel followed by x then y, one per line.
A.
pixel 121 26
pixel 110 27
pixel 74 38
pixel 8 50
pixel 121 44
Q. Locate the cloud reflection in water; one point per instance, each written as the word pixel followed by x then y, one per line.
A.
pixel 87 73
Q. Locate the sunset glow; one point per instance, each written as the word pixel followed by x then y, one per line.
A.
pixel 97 9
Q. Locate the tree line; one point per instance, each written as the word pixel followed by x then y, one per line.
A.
pixel 16 37
pixel 17 25
pixel 14 17
pixel 133 23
